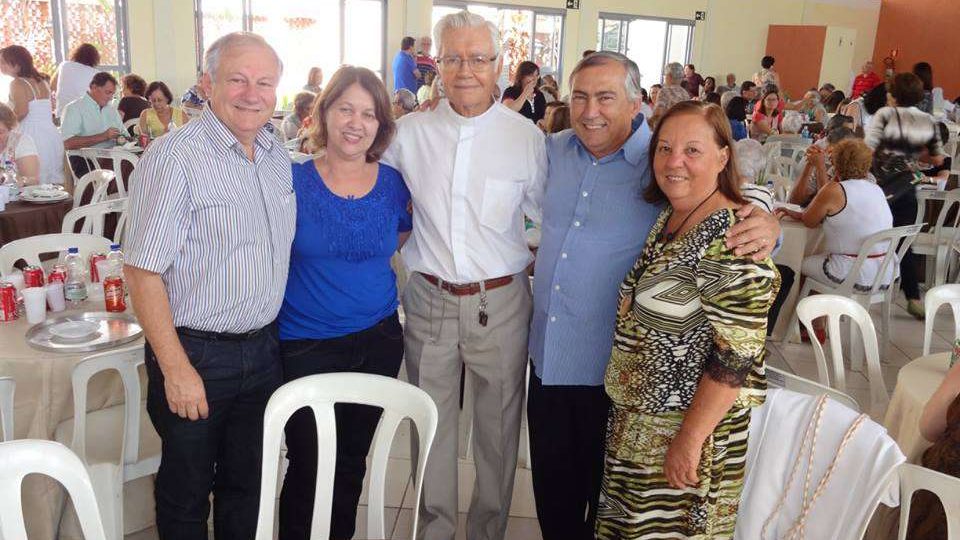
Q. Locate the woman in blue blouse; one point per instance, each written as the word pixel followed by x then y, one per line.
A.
pixel 340 309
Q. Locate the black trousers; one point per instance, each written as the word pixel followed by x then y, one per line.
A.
pixel 568 425
pixel 904 211
pixel 786 281
pixel 223 452
pixel 377 350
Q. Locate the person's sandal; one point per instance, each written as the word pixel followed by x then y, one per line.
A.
pixel 915 308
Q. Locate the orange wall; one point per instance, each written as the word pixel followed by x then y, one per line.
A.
pixel 798 50
pixel 923 30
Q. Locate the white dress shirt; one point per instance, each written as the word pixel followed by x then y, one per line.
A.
pixel 472 180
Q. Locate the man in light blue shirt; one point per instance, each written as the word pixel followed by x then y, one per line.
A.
pixel 405 72
pixel 595 224
pixel 92 120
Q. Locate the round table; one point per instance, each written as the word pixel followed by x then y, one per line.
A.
pixel 916 383
pixel 23 219
pixel 44 399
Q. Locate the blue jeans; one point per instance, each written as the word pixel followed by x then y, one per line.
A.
pixel 377 350
pixel 221 453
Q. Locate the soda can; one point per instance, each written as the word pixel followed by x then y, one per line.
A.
pixel 33 276
pixel 113 294
pixel 144 140
pixel 57 274
pixel 8 302
pixel 94 275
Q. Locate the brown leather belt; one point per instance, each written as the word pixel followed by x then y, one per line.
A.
pixel 467 289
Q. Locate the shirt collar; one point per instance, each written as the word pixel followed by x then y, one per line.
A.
pixel 91 102
pixel 224 140
pixel 460 120
pixel 634 150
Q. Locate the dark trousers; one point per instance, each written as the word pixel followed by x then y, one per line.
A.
pixel 377 350
pixel 222 452
pixel 904 211
pixel 786 281
pixel 568 425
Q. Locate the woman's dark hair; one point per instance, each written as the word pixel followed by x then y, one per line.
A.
pixel 713 86
pixel 875 99
pixel 712 97
pixel 86 54
pixel 20 57
pixel 644 96
pixel 135 84
pixel 925 72
pixel 761 106
pixel 524 69
pixel 767 62
pixel 728 181
pixel 162 87
pixel 907 89
pixel 557 118
pixel 737 109
pixel 344 78
pixel 834 101
pixel 943 132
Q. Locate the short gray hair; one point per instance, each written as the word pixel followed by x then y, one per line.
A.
pixel 211 58
pixel 750 159
pixel 674 70
pixel 792 122
pixel 405 99
pixel 631 81
pixel 465 19
pixel 726 97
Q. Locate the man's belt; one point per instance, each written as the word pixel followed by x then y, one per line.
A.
pixel 467 289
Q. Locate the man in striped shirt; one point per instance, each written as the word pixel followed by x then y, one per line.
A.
pixel 212 218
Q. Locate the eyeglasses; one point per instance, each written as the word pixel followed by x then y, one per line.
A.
pixel 476 63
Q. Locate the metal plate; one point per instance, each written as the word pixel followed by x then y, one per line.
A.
pixel 114 329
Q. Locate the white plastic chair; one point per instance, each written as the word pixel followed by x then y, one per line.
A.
pixel 79 155
pixel 398 400
pixel 30 249
pixel 947 488
pixel 897 240
pixel 777 378
pixel 116 157
pixel 99 180
pixel 7 389
pixel 52 459
pixel 937 243
pixel 132 123
pixel 833 307
pixel 93 217
pixel 96 436
pixel 936 297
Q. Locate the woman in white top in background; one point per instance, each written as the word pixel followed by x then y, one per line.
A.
pixel 72 79
pixel 850 209
pixel 30 98
pixel 17 147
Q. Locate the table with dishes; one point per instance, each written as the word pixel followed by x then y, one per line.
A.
pixel 39 210
pixel 40 357
pixel 798 242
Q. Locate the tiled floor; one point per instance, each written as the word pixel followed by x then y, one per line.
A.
pixel 906 343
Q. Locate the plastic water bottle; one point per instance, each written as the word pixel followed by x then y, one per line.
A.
pixel 75 287
pixel 115 260
pixel 8 177
pixel 805 134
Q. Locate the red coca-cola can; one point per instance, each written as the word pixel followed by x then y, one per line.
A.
pixel 94 259
pixel 113 294
pixel 8 302
pixel 33 276
pixel 57 274
pixel 144 140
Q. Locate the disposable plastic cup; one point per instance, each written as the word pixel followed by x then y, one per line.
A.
pixel 35 302
pixel 55 298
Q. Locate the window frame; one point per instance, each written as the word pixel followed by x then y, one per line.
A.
pixel 463 4
pixel 247 18
pixel 625 20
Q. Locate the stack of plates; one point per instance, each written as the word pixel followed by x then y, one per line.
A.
pixel 44 193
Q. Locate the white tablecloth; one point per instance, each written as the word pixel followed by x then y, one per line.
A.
pixel 916 383
pixel 798 242
pixel 44 398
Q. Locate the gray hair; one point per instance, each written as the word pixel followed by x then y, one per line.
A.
pixel 792 122
pixel 405 99
pixel 750 159
pixel 211 58
pixel 726 97
pixel 673 70
pixel 465 19
pixel 631 79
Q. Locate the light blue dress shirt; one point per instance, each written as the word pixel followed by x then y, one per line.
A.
pixel 595 224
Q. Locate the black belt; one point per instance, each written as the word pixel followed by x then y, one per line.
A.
pixel 221 336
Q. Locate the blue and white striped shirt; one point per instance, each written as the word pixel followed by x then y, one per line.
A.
pixel 216 226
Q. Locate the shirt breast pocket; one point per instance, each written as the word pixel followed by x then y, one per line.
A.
pixel 501 198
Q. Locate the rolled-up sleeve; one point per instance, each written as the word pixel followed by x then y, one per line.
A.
pixel 159 214
pixel 736 293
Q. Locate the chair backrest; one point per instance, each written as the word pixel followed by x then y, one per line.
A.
pixel 7 389
pixel 778 378
pixel 398 400
pixel 896 241
pixel 97 180
pixel 936 297
pixel 52 459
pixel 93 217
pixel 947 488
pixel 124 361
pixel 833 307
pixel 133 123
pixel 78 153
pixel 30 249
pixel 111 159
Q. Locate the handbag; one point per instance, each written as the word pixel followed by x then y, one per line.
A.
pixel 895 175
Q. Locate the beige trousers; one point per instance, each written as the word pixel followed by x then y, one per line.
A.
pixel 442 333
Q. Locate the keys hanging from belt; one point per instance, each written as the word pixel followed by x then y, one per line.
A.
pixel 482 315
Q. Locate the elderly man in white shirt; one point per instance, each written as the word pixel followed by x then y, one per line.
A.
pixel 474 169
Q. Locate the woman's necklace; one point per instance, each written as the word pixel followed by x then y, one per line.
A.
pixel 665 237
